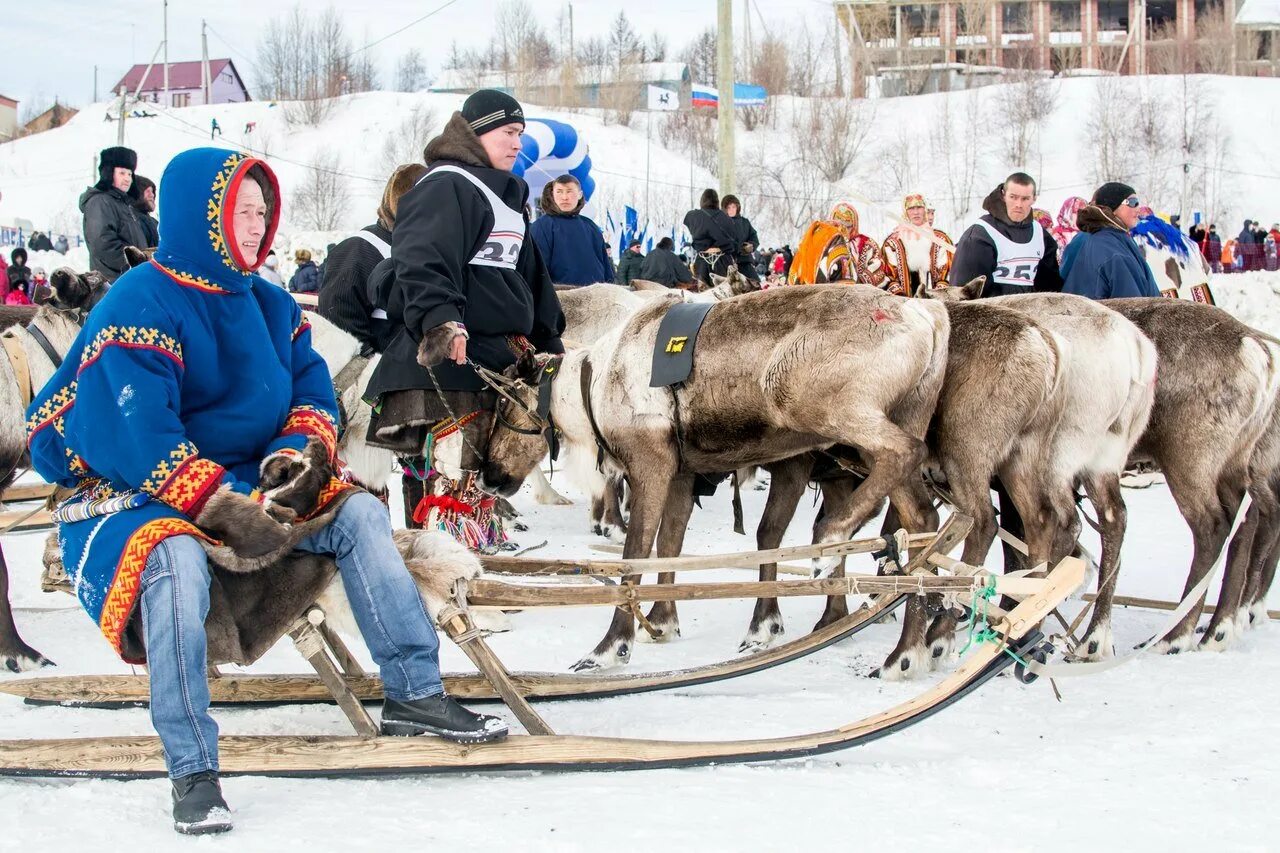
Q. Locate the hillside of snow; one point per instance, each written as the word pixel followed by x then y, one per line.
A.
pixel 953 147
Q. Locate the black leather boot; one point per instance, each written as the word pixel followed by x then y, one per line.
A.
pixel 198 807
pixel 440 715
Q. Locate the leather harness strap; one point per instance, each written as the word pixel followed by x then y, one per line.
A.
pixel 34 331
pixel 602 446
pixel 21 367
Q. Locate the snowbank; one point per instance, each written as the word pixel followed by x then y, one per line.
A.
pixel 1252 297
pixel 946 145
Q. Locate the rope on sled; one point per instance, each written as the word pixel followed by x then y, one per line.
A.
pixel 979 627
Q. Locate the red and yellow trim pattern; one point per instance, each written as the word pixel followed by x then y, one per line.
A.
pixel 327 494
pixel 310 421
pixel 131 337
pixel 123 593
pixel 187 280
pixel 219 212
pixel 304 325
pixel 184 481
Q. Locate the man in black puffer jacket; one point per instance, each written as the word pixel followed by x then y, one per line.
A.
pixel 346 297
pixel 110 219
pixel 714 237
pixel 1007 245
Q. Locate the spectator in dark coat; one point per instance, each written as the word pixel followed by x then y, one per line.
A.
pixel 110 220
pixel 631 264
pixel 346 297
pixel 18 275
pixel 60 245
pixel 748 240
pixel 146 206
pixel 664 266
pixel 40 242
pixel 787 257
pixel 306 278
pixel 714 237
pixel 571 245
pixel 1104 261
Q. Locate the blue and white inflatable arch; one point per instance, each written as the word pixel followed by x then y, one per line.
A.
pixel 551 149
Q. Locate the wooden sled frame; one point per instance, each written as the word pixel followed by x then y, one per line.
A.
pixel 119 691
pixel 365 753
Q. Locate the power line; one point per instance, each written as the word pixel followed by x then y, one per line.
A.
pixel 412 23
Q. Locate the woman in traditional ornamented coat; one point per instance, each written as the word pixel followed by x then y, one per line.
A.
pixel 832 249
pixel 916 255
pixel 1066 228
pixel 193 379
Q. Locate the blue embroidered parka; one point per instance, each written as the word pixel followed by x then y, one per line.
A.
pixel 186 375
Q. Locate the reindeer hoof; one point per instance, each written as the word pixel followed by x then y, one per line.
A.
pixel 762 636
pixel 909 664
pixel 27 661
pixel 617 654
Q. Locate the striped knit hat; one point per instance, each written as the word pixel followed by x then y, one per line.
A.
pixel 489 109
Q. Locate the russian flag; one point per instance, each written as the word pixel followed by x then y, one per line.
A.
pixel 704 96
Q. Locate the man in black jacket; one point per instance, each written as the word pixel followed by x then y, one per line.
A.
pixel 665 267
pixel 469 283
pixel 630 264
pixel 1007 245
pixel 713 236
pixel 145 205
pixel 347 297
pixel 110 219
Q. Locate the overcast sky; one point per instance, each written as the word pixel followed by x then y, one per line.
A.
pixel 52 51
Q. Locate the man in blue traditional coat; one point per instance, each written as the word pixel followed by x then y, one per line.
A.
pixel 193 379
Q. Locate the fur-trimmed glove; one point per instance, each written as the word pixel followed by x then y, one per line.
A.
pixel 244 525
pixel 437 343
pixel 291 481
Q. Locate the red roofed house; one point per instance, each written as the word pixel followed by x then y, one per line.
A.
pixel 185 86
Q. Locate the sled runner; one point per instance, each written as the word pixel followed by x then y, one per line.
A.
pixel 1015 636
pixel 113 691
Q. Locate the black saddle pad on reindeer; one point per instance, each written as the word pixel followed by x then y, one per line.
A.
pixel 254 602
pixel 677 338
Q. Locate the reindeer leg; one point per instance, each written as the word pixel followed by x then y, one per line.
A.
pixel 1104 493
pixel 15 655
pixel 543 492
pixel 649 496
pixel 1228 620
pixel 1210 526
pixel 675 521
pixel 787 483
pixel 913 656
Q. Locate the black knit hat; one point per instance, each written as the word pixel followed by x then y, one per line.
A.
pixel 1112 194
pixel 489 109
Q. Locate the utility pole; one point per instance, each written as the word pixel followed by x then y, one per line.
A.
pixel 95 84
pixel 204 60
pixel 724 82
pixel 120 110
pixel 166 53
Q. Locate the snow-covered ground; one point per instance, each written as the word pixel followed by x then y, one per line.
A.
pixel 1164 753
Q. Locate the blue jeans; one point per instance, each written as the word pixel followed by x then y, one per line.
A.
pixel 175 600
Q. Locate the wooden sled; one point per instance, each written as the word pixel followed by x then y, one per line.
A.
pixel 117 691
pixel 365 753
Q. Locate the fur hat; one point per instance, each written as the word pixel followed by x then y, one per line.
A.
pixel 489 109
pixel 912 200
pixel 1112 194
pixel 403 179
pixel 728 200
pixel 110 159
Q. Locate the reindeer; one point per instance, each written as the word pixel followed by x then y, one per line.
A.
pixel 779 373
pixel 1093 409
pixel 1214 432
pixel 29 365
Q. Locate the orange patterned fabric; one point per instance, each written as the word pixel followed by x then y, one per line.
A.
pixel 123 594
pixel 310 421
pixel 184 480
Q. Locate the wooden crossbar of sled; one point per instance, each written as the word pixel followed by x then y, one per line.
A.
pixel 32 492
pixel 111 691
pixel 364 754
pixel 17 521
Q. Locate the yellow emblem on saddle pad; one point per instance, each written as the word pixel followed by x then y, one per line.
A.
pixel 676 344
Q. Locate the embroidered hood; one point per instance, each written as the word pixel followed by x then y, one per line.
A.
pixel 198 195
